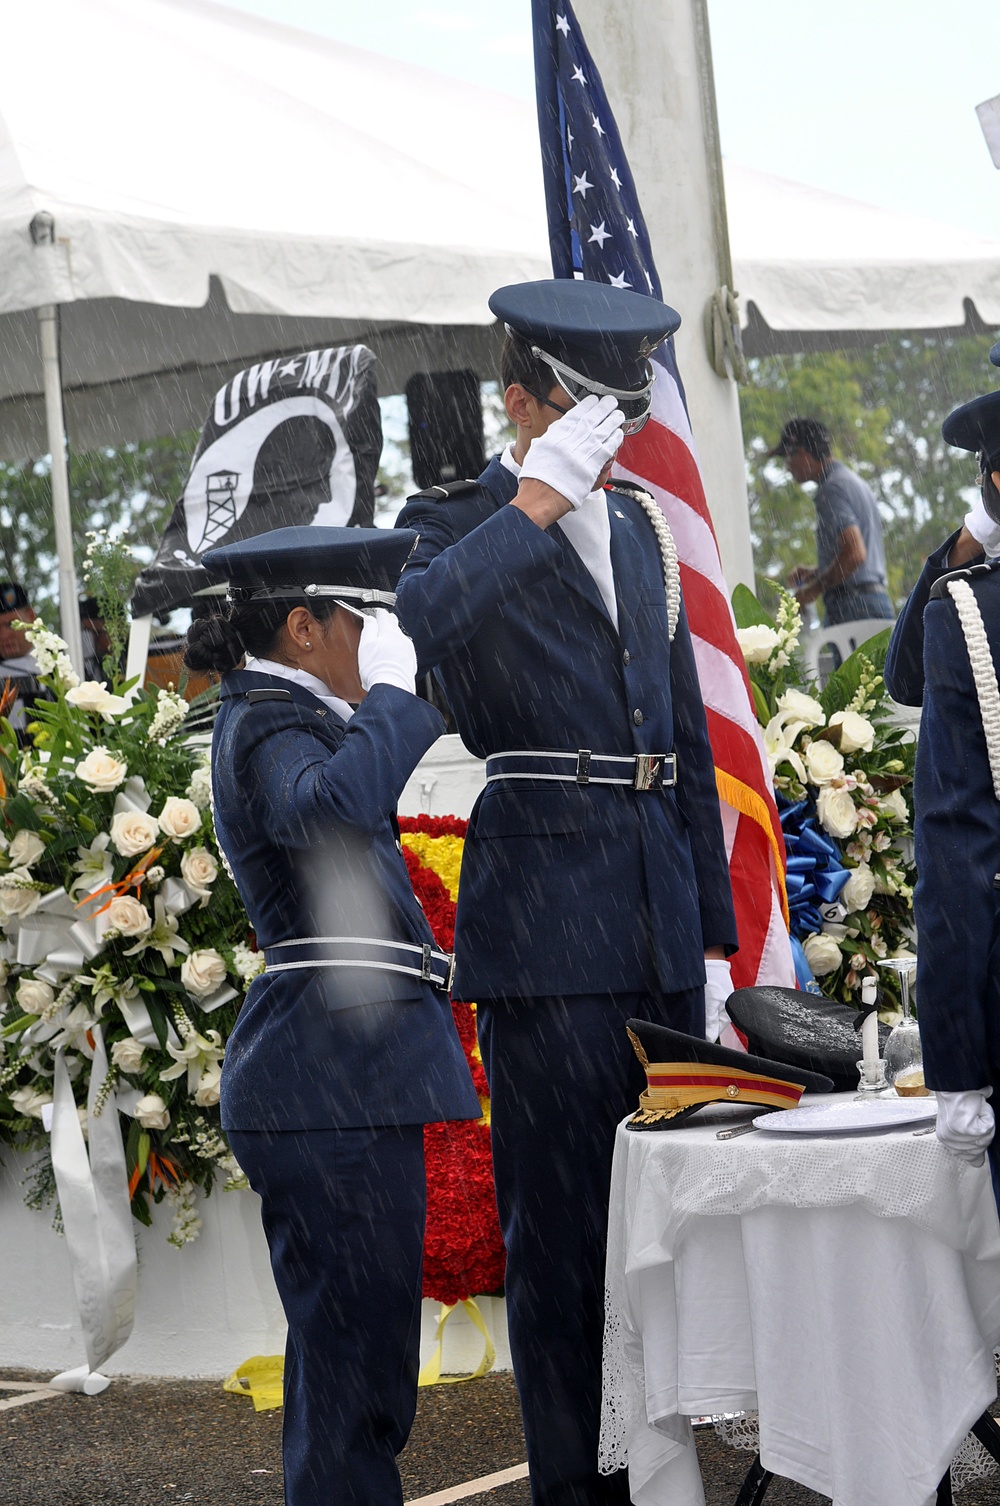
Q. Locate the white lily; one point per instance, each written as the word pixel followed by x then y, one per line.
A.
pixel 778 740
pixel 162 937
pixel 199 1054
pixel 94 864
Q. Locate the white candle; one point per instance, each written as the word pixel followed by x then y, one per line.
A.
pixel 869 1030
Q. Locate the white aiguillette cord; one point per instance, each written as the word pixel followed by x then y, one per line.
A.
pixel 97 1219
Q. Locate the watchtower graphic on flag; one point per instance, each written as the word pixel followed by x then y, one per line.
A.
pixel 220 508
pixel 596 231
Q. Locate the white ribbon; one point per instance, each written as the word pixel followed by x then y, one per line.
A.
pixel 136 1016
pixel 97 1218
pixel 132 796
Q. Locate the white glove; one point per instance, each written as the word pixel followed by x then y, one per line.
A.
pixel 983 529
pixel 718 987
pixel 574 450
pixel 965 1124
pixel 385 654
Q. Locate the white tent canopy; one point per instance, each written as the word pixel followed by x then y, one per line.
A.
pixel 819 264
pixel 224 188
pixel 308 191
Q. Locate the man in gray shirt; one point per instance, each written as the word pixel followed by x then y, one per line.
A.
pixel 850 574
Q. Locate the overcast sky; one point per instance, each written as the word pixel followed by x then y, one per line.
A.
pixel 871 98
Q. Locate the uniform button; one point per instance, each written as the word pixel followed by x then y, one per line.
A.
pixel 637 717
pixel 626 657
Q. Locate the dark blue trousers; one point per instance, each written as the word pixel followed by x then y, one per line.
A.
pixel 344 1213
pixel 562 1076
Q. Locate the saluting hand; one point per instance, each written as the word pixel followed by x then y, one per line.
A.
pixel 574 450
pixel 385 654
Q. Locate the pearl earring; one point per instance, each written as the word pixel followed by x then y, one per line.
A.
pixel 308 645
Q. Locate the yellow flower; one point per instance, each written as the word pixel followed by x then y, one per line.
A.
pixel 441 854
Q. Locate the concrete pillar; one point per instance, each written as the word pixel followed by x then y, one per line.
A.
pixel 655 60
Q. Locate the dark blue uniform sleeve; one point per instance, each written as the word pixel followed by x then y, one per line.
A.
pixel 452 582
pixel 304 789
pixel 904 665
pixel 957 854
pixel 698 796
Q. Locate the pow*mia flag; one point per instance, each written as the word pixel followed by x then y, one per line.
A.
pixel 296 440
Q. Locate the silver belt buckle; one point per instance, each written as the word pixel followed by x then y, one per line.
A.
pixel 647 771
pixel 450 978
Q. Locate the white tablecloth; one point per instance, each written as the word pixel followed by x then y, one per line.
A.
pixel 847 1288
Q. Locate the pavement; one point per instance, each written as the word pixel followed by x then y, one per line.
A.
pixel 160 1443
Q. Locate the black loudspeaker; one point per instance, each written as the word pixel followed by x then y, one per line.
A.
pixel 446 426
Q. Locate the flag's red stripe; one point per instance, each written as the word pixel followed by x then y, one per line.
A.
pixel 753 899
pixel 662 455
pixel 709 617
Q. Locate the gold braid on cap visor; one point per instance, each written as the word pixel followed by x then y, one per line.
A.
pixel 672 1087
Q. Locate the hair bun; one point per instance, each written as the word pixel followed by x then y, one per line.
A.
pixel 213 643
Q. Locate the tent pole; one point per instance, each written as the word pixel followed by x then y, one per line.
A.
pixel 69 607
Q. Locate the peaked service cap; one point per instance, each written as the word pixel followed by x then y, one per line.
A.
pixel 684 1073
pixel 595 337
pixel 361 564
pixel 805 1031
pixel 995 354
pixel 976 426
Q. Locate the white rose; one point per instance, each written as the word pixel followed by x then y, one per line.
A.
pixel 837 811
pixel 29 1102
pixel 34 995
pixel 199 868
pixel 101 770
pixel 179 818
pixel 151 1112
pixel 94 695
pixel 133 832
pixel 26 848
pixel 18 899
pixel 857 892
pixel 128 916
pixel 758 642
pixel 896 806
pixel 127 1055
pixel 207 1092
pixel 857 735
pixel 822 761
pixel 804 708
pixel 203 971
pixel 822 954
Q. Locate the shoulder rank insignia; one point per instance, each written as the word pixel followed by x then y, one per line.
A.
pixel 447 491
pixel 253 696
pixel 972 573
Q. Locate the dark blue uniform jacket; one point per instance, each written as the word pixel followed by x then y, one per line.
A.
pixel 304 805
pixel 568 889
pixel 904 664
pixel 957 849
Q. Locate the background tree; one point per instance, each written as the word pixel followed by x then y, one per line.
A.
pixel 883 405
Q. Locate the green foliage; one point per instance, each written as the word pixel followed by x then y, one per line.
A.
pixel 129 490
pixel 884 406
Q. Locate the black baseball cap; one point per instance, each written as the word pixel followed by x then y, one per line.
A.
pixel 804 434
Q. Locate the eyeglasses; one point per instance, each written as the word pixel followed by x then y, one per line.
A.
pixel 630 426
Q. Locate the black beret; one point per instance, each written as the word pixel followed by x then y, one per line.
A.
pixel 684 1073
pixel 12 596
pixel 291 561
pixel 804 1030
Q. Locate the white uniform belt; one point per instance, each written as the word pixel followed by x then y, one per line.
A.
pixel 637 771
pixel 413 959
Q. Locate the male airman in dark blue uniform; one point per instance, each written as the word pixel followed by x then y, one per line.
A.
pixel 594 880
pixel 957 822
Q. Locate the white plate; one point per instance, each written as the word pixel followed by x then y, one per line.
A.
pixel 842 1118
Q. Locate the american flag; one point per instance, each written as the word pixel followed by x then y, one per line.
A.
pixel 596 231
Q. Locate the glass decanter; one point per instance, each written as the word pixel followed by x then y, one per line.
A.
pixel 904 1060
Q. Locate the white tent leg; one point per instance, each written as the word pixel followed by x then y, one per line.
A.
pixel 69 608
pixel 138 648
